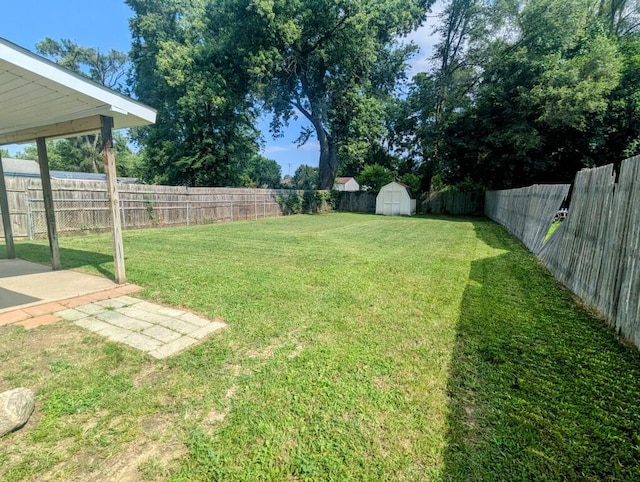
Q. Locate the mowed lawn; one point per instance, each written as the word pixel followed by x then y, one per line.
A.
pixel 358 348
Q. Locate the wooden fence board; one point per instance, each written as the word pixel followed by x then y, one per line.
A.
pixel 596 251
pixel 82 206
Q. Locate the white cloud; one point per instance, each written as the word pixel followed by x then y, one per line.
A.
pixel 425 38
pixel 274 149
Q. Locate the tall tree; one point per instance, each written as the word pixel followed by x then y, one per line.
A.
pixel 108 69
pixel 544 97
pixel 327 60
pixel 204 133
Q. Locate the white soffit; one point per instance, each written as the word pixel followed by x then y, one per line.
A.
pixel 37 93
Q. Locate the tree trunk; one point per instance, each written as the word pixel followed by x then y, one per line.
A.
pixel 328 165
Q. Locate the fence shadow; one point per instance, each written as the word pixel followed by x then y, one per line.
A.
pixel 70 258
pixel 538 389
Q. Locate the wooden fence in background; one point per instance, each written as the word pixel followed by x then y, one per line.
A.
pixel 596 251
pixel 455 203
pixel 356 201
pixel 527 212
pixel 82 206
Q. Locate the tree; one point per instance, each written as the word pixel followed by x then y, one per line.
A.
pixel 83 153
pixel 204 133
pixel 534 99
pixel 73 156
pixel 374 176
pixel 328 60
pixel 108 69
pixel 305 177
pixel 262 173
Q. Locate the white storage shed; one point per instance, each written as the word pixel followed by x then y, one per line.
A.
pixel 394 199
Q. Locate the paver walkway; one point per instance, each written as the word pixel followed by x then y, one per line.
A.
pixel 114 314
pixel 154 329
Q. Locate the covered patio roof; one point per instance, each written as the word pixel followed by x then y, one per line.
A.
pixel 40 99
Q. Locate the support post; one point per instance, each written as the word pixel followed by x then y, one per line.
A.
pixel 45 177
pixel 6 217
pixel 112 190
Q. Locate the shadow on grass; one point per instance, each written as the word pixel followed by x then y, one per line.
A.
pixel 70 258
pixel 538 389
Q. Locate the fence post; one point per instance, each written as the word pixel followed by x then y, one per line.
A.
pixel 255 205
pixel 231 207
pixel 123 222
pixel 264 205
pixel 187 192
pixel 29 215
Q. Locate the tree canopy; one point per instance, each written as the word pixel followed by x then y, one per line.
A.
pixel 519 91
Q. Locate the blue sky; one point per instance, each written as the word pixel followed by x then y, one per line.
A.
pixel 103 24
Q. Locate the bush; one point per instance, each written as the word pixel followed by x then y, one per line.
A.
pixel 290 204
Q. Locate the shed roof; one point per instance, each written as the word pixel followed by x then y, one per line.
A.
pixel 41 99
pixel 13 166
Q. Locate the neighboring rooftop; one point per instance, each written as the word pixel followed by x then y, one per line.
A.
pixel 28 168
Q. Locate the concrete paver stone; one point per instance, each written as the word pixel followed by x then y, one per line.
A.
pixel 92 324
pixel 91 309
pixel 172 348
pixel 157 330
pixel 179 325
pixel 200 333
pixel 111 303
pixel 142 342
pixel 194 319
pixel 161 333
pixel 71 314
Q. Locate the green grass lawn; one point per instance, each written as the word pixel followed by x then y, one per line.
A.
pixel 358 348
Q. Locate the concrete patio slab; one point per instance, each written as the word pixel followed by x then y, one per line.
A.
pixel 24 284
pixel 32 295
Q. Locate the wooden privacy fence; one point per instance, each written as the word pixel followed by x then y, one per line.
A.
pixel 83 206
pixel 456 203
pixel 596 251
pixel 527 212
pixel 356 201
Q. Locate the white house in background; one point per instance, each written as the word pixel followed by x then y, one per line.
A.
pixel 394 199
pixel 346 184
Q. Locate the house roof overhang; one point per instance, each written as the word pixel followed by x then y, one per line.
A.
pixel 38 98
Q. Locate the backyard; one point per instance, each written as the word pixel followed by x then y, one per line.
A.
pixel 358 347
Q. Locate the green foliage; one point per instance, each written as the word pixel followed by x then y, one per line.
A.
pixel 525 93
pixel 290 203
pixel 261 172
pixel 333 62
pixel 374 176
pixel 305 177
pixel 204 134
pixel 108 69
pixel 82 154
pixel 412 181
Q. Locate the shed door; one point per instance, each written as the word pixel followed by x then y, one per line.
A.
pixel 392 202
